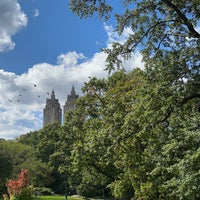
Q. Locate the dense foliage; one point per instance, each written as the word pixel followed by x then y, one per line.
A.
pixel 18 189
pixel 146 124
pixel 135 134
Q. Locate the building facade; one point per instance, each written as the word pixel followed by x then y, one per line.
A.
pixel 70 103
pixel 52 112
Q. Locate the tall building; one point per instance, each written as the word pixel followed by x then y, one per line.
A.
pixel 70 103
pixel 52 111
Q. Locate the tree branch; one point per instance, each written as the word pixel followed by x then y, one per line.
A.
pixel 192 96
pixel 100 170
pixel 189 25
pixel 148 30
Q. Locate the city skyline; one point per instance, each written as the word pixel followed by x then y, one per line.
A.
pixel 54 111
pixel 44 47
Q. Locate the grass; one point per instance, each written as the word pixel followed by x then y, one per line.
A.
pixel 54 198
pixel 51 198
pixel 57 198
pixel 47 198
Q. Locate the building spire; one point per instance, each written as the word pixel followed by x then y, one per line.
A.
pixel 53 94
pixel 52 112
pixel 70 103
pixel 73 93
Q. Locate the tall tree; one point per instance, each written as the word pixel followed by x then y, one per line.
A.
pixel 151 123
pixel 159 27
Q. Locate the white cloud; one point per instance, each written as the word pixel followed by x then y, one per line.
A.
pixel 70 59
pixel 12 19
pixel 36 13
pixel 113 36
pixel 23 96
pixel 134 59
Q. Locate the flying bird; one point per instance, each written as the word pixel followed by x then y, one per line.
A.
pixel 9 100
pixel 35 85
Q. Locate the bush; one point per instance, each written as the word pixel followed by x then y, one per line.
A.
pixel 43 191
pixel 19 189
pixel 25 194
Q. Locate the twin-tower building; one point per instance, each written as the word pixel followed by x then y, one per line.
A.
pixel 53 113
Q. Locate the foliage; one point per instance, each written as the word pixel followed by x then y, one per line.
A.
pixel 42 191
pixel 136 137
pixel 44 173
pixel 58 198
pixel 15 186
pixel 18 189
pixel 19 155
pixel 159 27
pixel 5 171
pixel 30 139
pixel 48 151
pixel 142 124
pixel 16 156
pixel 135 134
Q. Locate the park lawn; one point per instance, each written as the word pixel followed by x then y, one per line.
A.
pixel 51 198
pixel 57 198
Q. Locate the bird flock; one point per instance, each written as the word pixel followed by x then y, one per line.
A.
pixel 23 92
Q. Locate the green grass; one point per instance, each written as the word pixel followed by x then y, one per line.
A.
pixel 51 198
pixel 54 198
pixel 57 198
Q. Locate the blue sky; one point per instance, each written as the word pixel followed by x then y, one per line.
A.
pixel 43 43
pixel 51 30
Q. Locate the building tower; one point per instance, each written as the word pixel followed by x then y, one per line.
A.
pixel 69 104
pixel 52 111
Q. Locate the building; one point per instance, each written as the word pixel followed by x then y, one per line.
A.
pixel 70 103
pixel 52 111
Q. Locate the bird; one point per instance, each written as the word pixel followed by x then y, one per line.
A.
pixel 9 100
pixel 35 85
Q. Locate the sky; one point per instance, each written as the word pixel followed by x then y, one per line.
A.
pixel 44 46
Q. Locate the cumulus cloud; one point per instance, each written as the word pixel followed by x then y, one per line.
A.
pixel 70 59
pixel 12 19
pixel 23 96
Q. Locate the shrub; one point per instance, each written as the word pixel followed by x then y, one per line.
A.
pixel 19 189
pixel 43 191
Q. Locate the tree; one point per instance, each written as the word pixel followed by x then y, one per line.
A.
pixel 150 124
pixel 30 139
pixel 160 27
pixel 5 170
pixel 138 137
pixel 18 155
pixel 47 143
pixel 19 189
pixel 15 156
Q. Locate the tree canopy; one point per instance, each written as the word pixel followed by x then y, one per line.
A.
pixel 160 27
pixel 136 134
pixel 145 124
